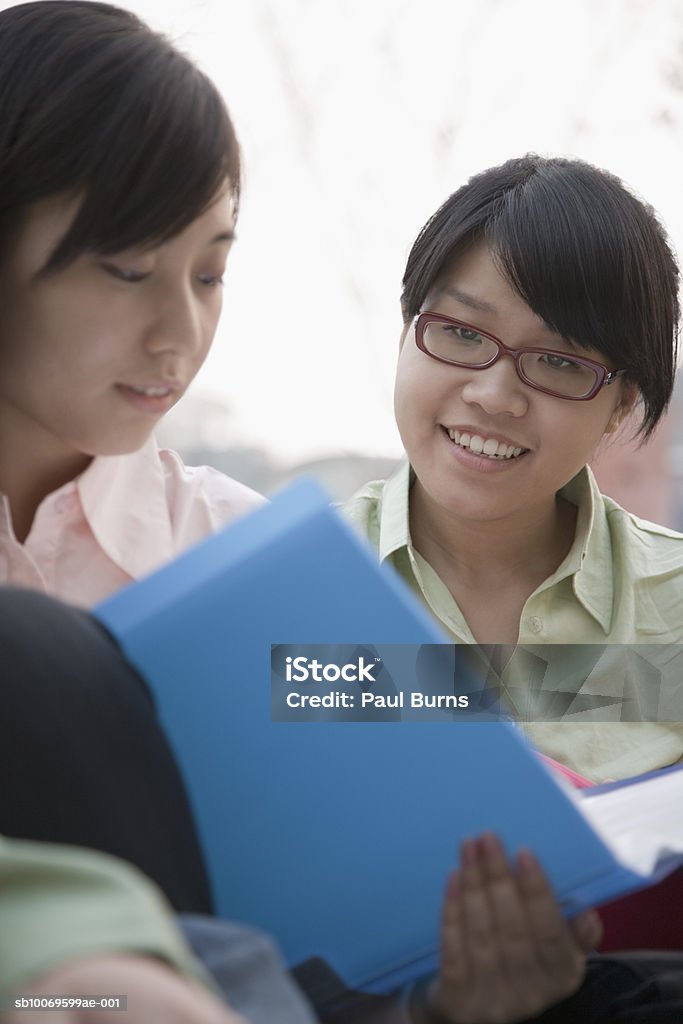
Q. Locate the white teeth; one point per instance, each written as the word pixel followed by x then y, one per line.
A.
pixel 152 392
pixel 489 446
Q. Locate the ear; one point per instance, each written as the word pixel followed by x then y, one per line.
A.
pixel 629 395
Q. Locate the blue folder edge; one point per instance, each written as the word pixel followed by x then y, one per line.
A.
pixel 293 506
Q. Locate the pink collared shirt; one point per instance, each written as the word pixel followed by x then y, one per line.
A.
pixel 123 517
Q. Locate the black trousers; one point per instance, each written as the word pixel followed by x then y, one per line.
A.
pixel 82 757
pixel 631 988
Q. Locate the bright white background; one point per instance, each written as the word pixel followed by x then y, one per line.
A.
pixel 357 118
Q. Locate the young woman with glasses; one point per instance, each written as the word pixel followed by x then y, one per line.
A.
pixel 540 309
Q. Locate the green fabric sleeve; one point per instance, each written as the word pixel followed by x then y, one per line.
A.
pixel 58 903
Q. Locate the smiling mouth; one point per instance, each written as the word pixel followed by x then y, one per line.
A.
pixel 151 392
pixel 489 447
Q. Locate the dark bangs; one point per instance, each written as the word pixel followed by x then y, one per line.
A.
pixel 593 262
pixel 94 102
pixel 586 256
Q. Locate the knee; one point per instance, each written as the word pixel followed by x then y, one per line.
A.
pixel 54 653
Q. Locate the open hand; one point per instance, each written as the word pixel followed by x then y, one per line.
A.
pixel 507 951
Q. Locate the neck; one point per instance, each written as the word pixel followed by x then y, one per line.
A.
pixel 527 548
pixel 32 465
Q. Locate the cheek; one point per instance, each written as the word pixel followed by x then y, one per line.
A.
pixel 578 433
pixel 419 401
pixel 399 390
pixel 407 402
pixel 210 334
pixel 424 388
pixel 209 317
pixel 56 327
pixel 603 418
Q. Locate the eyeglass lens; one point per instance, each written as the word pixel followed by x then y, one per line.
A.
pixel 466 347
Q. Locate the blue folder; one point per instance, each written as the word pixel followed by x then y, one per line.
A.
pixel 335 837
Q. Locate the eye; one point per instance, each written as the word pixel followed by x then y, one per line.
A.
pixel 466 334
pixel 126 274
pixel 211 280
pixel 454 332
pixel 556 362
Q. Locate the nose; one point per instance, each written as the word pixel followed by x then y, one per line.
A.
pixel 497 389
pixel 179 325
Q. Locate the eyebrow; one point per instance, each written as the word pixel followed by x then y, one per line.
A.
pixel 485 307
pixel 468 300
pixel 223 236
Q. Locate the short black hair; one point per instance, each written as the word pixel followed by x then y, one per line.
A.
pixel 93 102
pixel 585 254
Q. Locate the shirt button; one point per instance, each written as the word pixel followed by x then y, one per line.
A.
pixel 535 624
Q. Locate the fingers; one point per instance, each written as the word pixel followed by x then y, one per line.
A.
pixel 454 953
pixel 488 952
pixel 515 937
pixel 476 910
pixel 560 956
pixel 587 930
pixel 507 951
pixel 470 970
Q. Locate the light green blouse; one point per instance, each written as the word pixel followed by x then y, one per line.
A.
pixel 620 584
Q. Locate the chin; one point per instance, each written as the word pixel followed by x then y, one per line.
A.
pixel 457 502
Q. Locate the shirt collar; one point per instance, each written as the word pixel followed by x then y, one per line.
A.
pixel 394 526
pixel 589 560
pixel 124 501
